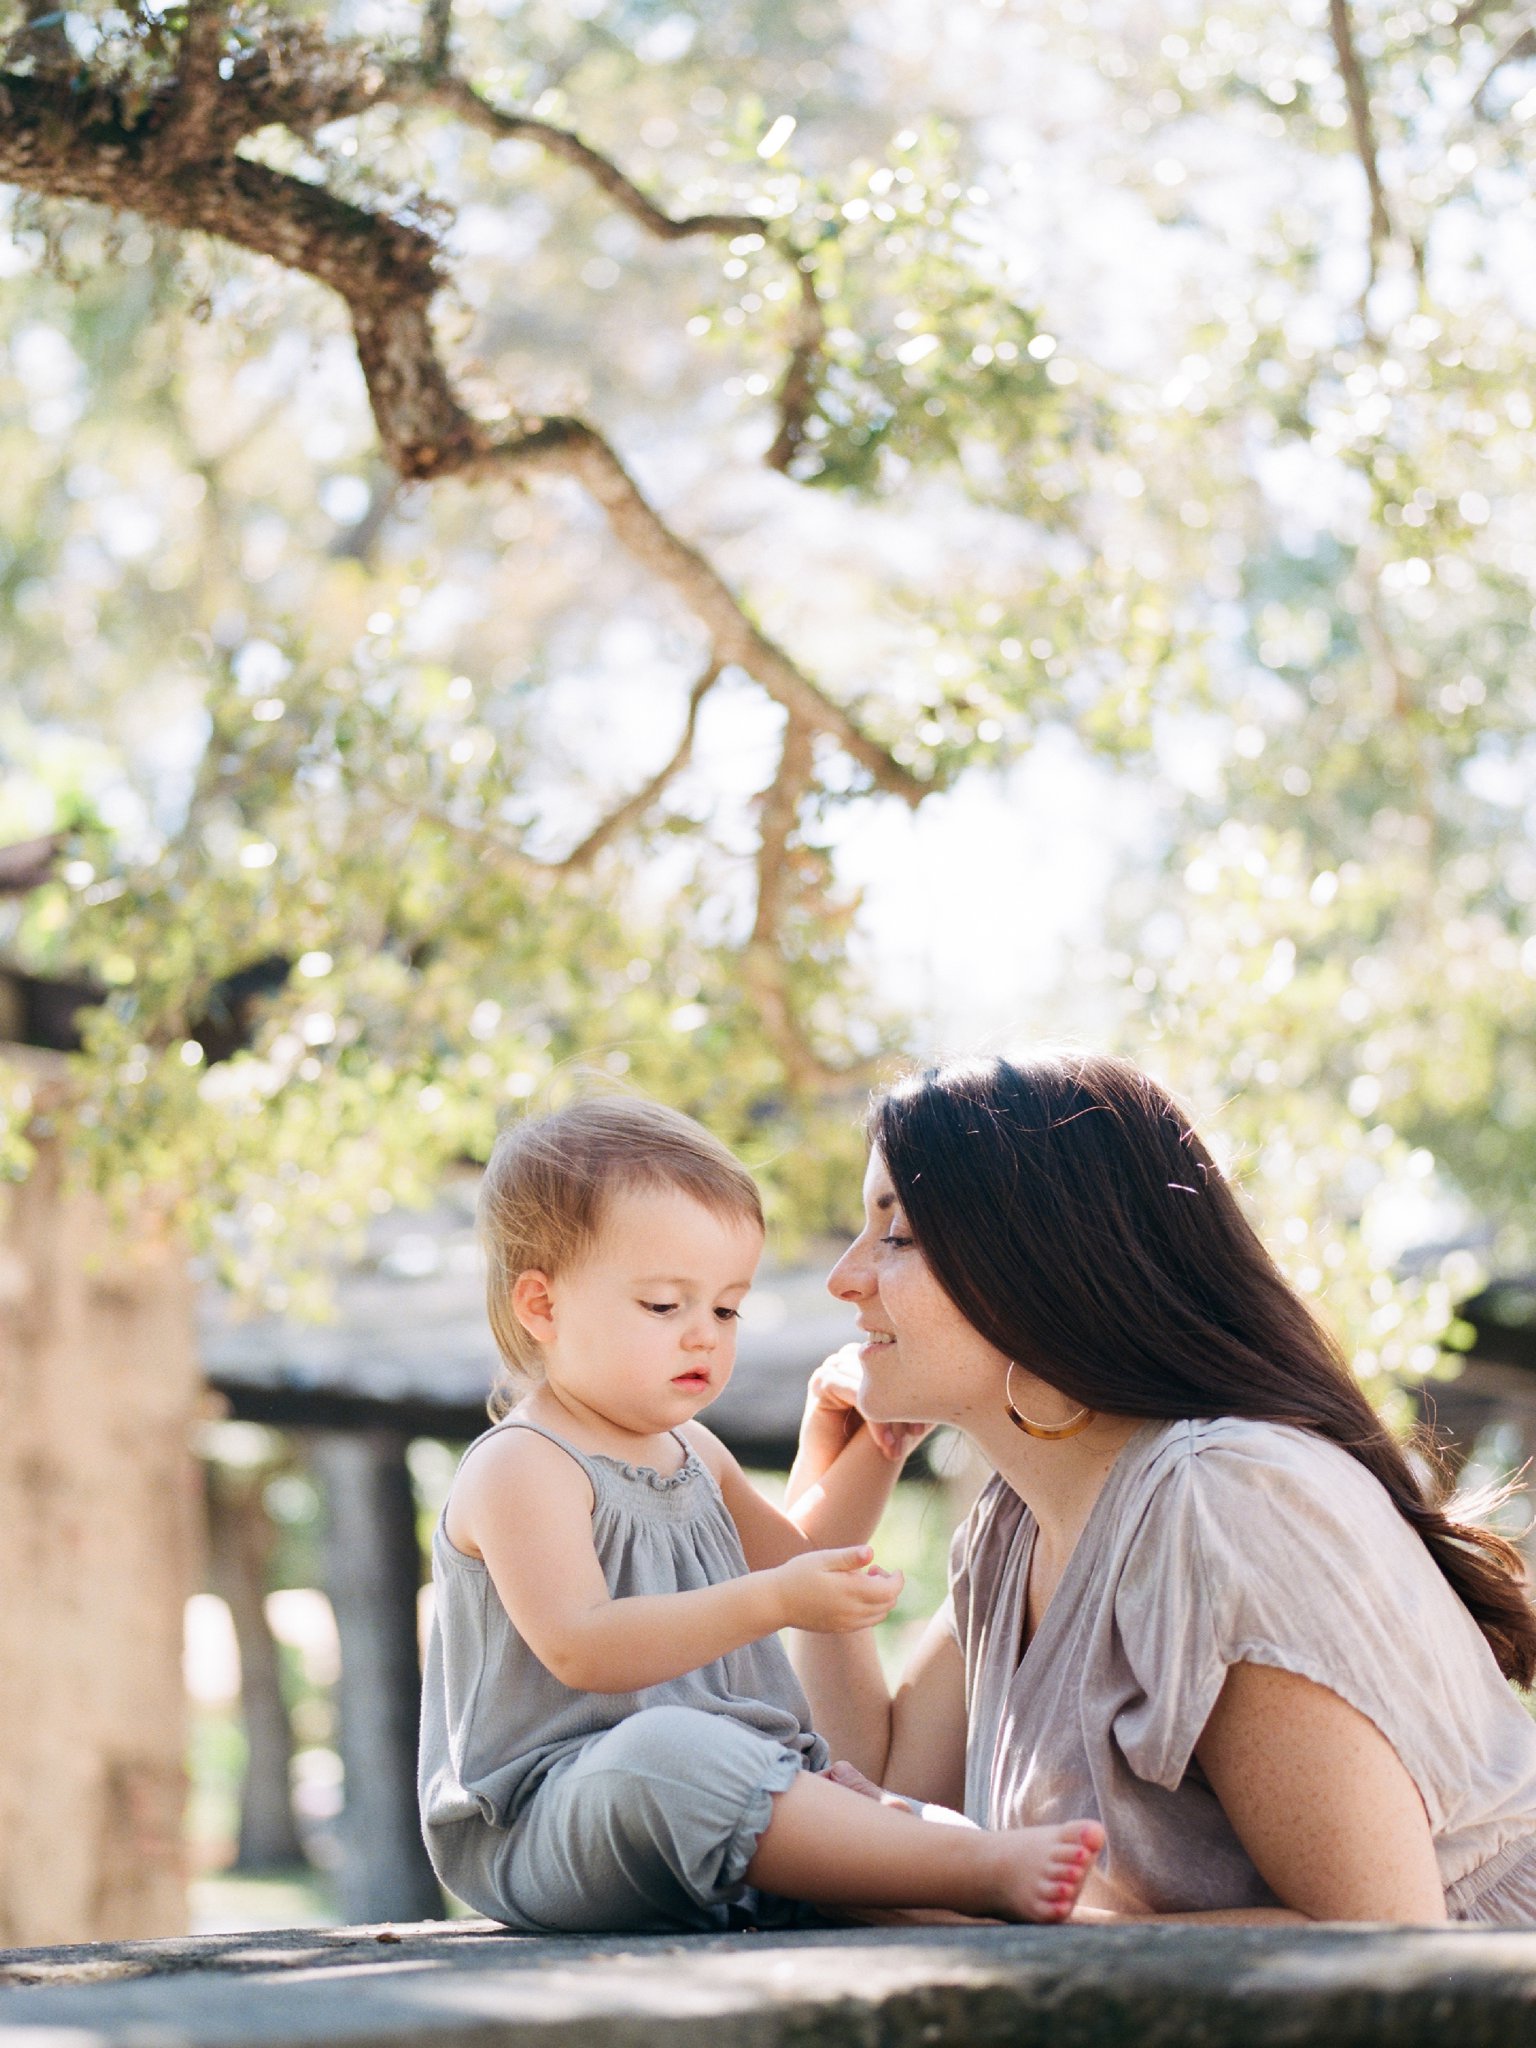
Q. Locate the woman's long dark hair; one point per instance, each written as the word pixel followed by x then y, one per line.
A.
pixel 1077 1222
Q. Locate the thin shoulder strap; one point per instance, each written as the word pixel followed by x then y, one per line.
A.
pixel 537 1429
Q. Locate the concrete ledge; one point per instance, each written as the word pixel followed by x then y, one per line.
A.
pixel 471 1985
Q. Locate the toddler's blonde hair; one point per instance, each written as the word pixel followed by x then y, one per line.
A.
pixel 549 1180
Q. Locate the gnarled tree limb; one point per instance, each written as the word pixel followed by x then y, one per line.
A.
pixel 386 270
pixel 1474 10
pixel 797 388
pixel 173 158
pixel 634 808
pixel 457 96
pixel 570 447
pixel 764 972
pixel 437 36
pixel 1362 124
pixel 1515 51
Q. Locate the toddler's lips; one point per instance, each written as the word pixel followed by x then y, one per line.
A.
pixel 691 1382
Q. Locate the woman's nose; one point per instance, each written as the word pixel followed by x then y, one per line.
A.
pixel 849 1279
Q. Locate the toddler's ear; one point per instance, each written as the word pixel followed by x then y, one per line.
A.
pixel 533 1304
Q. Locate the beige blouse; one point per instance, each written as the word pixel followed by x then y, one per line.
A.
pixel 1212 1544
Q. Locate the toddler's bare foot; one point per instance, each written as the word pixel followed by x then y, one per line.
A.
pixel 1041 1871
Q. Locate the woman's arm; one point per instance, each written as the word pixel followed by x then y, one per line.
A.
pixel 913 1744
pixel 1320 1800
pixel 525 1508
pixel 928 1721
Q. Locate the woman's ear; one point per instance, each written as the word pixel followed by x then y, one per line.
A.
pixel 533 1304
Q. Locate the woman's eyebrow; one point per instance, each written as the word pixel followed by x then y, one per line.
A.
pixel 884 1202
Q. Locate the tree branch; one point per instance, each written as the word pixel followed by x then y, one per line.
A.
pixel 191 127
pixel 436 37
pixel 41 38
pixel 27 863
pixel 1362 124
pixel 1518 48
pixel 763 965
pixel 411 85
pixel 1473 12
pixel 294 78
pixel 80 146
pixel 764 970
pixel 357 542
pixel 570 447
pixel 504 853
pixel 797 389
pixel 634 808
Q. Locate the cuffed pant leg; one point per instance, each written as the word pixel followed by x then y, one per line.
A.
pixel 652 1826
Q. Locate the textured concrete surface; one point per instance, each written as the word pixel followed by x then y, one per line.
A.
pixel 469 1985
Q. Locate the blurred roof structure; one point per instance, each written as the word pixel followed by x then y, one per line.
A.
pixel 410 1348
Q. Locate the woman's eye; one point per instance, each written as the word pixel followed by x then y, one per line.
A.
pixel 896 1242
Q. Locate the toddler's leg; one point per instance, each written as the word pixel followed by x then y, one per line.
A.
pixel 834 1847
pixel 650 1828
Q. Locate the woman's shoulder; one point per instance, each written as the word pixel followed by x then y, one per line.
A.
pixel 1239 1454
pixel 1240 1496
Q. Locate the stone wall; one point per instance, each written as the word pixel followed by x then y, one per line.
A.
pixel 469 1985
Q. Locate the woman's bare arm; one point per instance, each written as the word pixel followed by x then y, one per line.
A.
pixel 913 1744
pixel 927 1753
pixel 1320 1800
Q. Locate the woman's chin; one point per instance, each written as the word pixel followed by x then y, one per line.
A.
pixel 875 1409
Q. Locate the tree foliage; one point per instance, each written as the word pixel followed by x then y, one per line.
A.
pixel 486 498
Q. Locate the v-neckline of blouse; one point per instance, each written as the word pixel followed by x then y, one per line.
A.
pixel 1088 1539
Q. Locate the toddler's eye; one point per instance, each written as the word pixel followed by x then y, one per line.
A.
pixel 728 1315
pixel 660 1308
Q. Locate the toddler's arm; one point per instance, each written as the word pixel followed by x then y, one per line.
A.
pixel 844 1467
pixel 525 1507
pixel 842 1508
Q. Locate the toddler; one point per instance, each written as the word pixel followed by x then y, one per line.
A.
pixel 612 1736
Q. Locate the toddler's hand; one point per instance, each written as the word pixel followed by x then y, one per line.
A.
pixel 836 1591
pixel 832 1406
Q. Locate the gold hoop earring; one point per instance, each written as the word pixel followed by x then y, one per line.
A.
pixel 1047 1432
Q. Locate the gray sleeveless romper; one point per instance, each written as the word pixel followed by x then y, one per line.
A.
pixel 573 1812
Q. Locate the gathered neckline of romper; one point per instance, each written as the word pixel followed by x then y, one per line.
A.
pixel 647 1475
pixel 659 1482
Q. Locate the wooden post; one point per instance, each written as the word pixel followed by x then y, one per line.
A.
pixel 239 1544
pixel 373 1573
pixel 100 1508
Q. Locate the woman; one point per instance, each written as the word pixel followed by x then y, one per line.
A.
pixel 1205 1597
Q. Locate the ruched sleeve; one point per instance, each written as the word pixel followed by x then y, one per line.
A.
pixel 1264 1545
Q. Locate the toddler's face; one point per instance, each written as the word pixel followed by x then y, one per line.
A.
pixel 643 1331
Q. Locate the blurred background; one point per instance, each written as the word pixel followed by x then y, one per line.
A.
pixel 1063 567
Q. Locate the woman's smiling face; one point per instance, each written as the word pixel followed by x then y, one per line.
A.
pixel 922 1361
